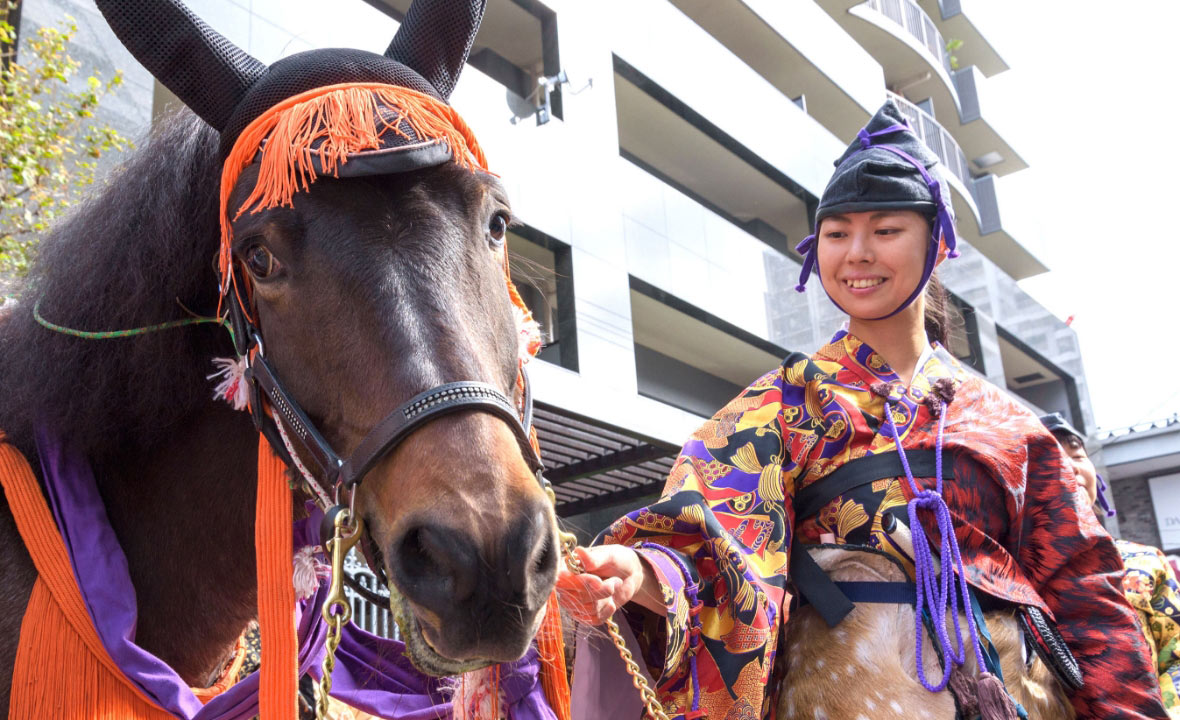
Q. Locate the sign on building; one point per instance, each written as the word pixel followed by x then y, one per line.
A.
pixel 1165 496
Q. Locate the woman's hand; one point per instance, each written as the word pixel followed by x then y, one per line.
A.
pixel 615 575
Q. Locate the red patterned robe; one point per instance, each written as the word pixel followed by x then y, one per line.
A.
pixel 1024 529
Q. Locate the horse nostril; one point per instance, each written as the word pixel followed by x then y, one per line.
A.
pixel 530 559
pixel 435 564
pixel 546 557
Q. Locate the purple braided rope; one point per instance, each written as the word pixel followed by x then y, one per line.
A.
pixel 690 595
pixel 934 587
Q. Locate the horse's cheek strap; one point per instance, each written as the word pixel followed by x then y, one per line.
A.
pixel 262 377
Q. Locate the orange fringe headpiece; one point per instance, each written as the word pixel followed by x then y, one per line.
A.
pixel 344 119
pixel 328 124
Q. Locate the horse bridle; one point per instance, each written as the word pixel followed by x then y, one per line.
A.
pixel 338 477
pixel 344 475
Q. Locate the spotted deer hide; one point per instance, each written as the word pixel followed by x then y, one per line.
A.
pixel 864 669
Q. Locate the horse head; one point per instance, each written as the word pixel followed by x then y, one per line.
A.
pixel 363 259
pixel 369 291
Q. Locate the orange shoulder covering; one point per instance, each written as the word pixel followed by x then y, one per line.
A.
pixel 62 669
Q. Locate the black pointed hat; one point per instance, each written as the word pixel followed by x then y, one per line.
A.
pixel 1056 423
pixel 871 175
pixel 229 89
pixel 887 167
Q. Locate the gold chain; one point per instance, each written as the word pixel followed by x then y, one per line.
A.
pixel 651 702
pixel 336 610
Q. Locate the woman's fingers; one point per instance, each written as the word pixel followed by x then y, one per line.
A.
pixel 612 576
pixel 589 598
pixel 611 561
pixel 587 587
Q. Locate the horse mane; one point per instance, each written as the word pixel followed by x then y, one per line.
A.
pixel 129 256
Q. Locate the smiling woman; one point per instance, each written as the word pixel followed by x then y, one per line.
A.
pixel 870 264
pixel 877 470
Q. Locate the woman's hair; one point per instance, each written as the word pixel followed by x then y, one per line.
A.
pixel 939 316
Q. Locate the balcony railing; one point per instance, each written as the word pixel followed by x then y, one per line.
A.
pixel 372 618
pixel 935 137
pixel 917 23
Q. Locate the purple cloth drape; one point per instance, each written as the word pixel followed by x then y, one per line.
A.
pixel 372 673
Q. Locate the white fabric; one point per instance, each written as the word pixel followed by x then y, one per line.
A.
pixel 927 351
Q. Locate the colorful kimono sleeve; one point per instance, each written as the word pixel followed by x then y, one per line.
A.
pixel 1073 564
pixel 1150 586
pixel 718 540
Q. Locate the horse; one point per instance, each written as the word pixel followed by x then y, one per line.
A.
pixel 372 289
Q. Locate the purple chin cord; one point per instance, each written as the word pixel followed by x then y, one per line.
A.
pixel 944 226
pixel 940 592
pixel 1102 501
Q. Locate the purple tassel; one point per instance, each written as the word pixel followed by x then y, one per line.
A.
pixel 966 691
pixel 994 701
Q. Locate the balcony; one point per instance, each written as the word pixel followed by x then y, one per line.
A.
pixel 974 196
pixel 944 146
pixel 911 49
pixel 516 43
pixel 995 240
pixel 673 63
pixel 800 50
pixel 719 173
pixel 982 143
pixel 953 17
pixel 917 23
pixel 907 44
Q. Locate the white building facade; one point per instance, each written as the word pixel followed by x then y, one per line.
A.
pixel 681 161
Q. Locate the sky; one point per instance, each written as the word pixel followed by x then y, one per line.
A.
pixel 1090 102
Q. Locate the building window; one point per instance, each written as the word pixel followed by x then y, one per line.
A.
pixel 543 273
pixel 1043 385
pixel 671 141
pixel 690 359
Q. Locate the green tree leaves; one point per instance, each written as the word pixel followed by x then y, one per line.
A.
pixel 50 142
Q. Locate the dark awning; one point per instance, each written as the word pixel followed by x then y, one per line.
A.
pixel 592 465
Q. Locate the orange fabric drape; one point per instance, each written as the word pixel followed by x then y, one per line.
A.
pixel 62 669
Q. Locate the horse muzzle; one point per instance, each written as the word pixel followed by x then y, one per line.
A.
pixel 464 603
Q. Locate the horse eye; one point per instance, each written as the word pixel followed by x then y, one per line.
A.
pixel 260 262
pixel 497 228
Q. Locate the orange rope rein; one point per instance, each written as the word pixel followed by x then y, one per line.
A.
pixel 278 676
pixel 551 655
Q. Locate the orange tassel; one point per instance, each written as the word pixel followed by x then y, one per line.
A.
pixel 278 678
pixel 551 653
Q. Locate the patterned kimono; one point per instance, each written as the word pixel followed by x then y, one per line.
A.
pixel 720 536
pixel 1151 588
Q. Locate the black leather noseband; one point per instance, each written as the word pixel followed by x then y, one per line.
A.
pixel 336 473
